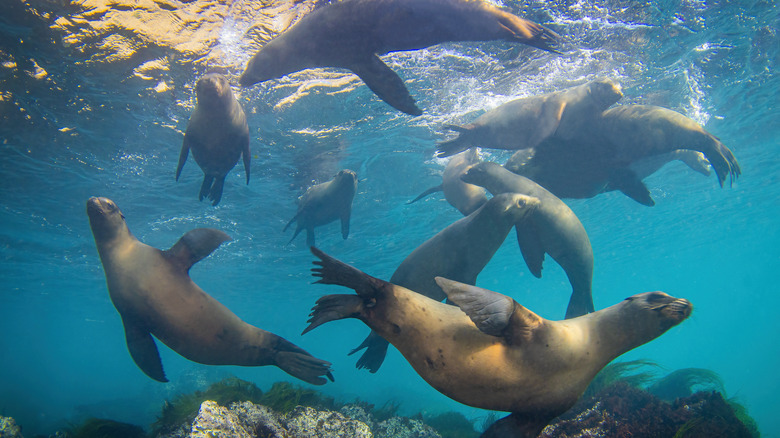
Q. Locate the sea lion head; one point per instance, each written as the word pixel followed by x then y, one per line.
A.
pixel 514 206
pixel 274 60
pixel 213 87
pixel 604 92
pixel 644 317
pixel 346 177
pixel 480 173
pixel 106 220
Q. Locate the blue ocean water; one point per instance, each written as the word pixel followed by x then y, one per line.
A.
pixel 86 130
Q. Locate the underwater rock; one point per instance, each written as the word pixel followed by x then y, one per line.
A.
pixel 215 421
pixel 306 422
pixel 9 428
pixel 401 427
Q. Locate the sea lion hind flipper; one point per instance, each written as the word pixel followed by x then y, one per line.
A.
pixel 298 363
pixel 345 215
pixel 580 303
pixel 457 145
pixel 625 180
pixel 374 356
pixel 215 194
pixel 722 161
pixel 333 307
pixel 531 247
pixel 516 425
pixel 332 271
pixel 144 351
pixel 386 84
pixel 438 188
pixel 490 311
pixel 530 33
pixel 205 187
pixel 195 245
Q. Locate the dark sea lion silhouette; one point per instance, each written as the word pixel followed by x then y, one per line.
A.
pixel 217 134
pixel 154 295
pixel 324 203
pixel 351 33
pixel 459 251
pixel 491 352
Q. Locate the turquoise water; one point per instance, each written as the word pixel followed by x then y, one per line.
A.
pixel 88 130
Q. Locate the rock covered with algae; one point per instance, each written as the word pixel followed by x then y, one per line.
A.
pixel 9 428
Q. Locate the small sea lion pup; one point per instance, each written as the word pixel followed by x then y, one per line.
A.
pixel 459 252
pixel 217 134
pixel 323 204
pixel 351 33
pixel 526 122
pixel 154 295
pixel 465 197
pixel 491 352
pixel 553 229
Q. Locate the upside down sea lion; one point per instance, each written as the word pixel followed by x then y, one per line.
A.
pixel 154 295
pixel 465 197
pixel 491 352
pixel 351 33
pixel 553 229
pixel 217 134
pixel 324 203
pixel 459 252
pixel 526 122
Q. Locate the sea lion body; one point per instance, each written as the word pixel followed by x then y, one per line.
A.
pixel 493 353
pixel 324 203
pixel 467 198
pixel 526 122
pixel 217 134
pixel 351 33
pixel 460 252
pixel 553 229
pixel 154 294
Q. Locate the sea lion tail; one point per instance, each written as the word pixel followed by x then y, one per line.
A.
pixel 333 307
pixel 298 363
pixel 332 271
pixel 426 193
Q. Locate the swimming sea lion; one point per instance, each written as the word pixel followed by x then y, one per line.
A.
pixel 324 203
pixel 217 134
pixel 459 251
pixel 493 353
pixel 553 229
pixel 351 33
pixel 154 295
pixel 465 197
pixel 526 122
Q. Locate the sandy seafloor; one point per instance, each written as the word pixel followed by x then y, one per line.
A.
pixel 84 131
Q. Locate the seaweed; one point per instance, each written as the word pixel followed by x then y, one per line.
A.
pixel 387 411
pixel 284 397
pixel 184 408
pixel 742 415
pixel 103 428
pixel 619 371
pixel 452 425
pixel 680 383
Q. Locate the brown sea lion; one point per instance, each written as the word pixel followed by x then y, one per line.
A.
pixel 217 134
pixel 459 251
pixel 553 229
pixel 465 197
pixel 491 352
pixel 154 295
pixel 614 153
pixel 526 122
pixel 351 33
pixel 324 203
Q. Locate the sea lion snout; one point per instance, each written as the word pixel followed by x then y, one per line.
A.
pixel 212 86
pixel 100 206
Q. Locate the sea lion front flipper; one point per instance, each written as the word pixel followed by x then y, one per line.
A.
pixel 376 350
pixel 345 215
pixel 531 247
pixel 386 84
pixel 297 362
pixel 195 245
pixel 185 152
pixel 144 351
pixel 435 189
pixel 490 311
pixel 247 156
pixel 547 123
pixel 625 180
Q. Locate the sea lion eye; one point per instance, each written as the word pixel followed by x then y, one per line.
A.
pixel 521 203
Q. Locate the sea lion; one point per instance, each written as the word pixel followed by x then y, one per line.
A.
pixel 465 197
pixel 324 203
pixel 609 155
pixel 553 229
pixel 217 134
pixel 491 352
pixel 351 33
pixel 459 251
pixel 526 122
pixel 154 295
